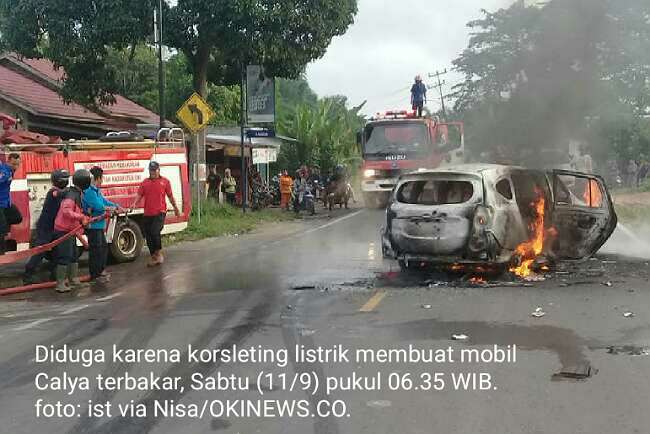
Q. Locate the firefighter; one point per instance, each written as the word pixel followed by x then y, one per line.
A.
pixel 68 218
pixel 285 190
pixel 9 214
pixel 154 190
pixel 45 223
pixel 96 205
pixel 418 95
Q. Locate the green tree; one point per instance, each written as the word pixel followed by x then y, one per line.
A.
pixel 538 76
pixel 216 37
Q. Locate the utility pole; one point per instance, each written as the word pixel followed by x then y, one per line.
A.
pixel 158 38
pixel 439 85
pixel 242 124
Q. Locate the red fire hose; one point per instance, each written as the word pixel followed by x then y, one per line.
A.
pixel 10 258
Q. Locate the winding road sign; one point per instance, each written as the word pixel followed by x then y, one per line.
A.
pixel 195 113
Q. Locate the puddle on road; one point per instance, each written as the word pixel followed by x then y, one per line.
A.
pixel 567 346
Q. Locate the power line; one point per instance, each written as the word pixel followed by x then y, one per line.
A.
pixel 439 85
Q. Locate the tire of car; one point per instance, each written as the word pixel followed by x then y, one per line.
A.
pixel 127 242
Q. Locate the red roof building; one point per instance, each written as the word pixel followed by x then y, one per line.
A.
pixel 29 91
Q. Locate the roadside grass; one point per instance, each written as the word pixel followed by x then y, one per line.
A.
pixel 633 214
pixel 221 219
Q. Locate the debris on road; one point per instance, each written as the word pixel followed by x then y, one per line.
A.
pixel 539 312
pixel 381 403
pixel 460 337
pixel 608 283
pixel 630 350
pixel 628 314
pixel 577 372
pixel 426 306
pixel 303 287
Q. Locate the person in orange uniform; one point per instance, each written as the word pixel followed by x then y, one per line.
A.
pixel 285 190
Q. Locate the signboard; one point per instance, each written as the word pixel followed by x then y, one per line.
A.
pixel 265 155
pixel 260 92
pixel 260 133
pixel 195 113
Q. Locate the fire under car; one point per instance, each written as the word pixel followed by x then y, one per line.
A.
pixel 499 216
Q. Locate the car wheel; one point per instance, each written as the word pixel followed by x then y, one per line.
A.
pixel 127 242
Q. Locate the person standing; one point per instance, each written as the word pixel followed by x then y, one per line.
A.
pixel 154 190
pixel 230 187
pixel 285 190
pixel 69 218
pixel 45 223
pixel 418 95
pixel 9 214
pixel 213 184
pixel 96 206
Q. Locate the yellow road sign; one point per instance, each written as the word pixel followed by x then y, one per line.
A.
pixel 195 113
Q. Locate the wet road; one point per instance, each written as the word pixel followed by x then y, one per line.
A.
pixel 322 283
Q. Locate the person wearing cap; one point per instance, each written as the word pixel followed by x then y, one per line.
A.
pixel 96 206
pixel 45 223
pixel 418 95
pixel 154 191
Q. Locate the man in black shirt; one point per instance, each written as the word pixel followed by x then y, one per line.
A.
pixel 45 223
pixel 213 182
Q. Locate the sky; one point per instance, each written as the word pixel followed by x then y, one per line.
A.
pixel 390 43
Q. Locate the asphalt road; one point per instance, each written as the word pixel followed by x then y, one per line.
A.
pixel 320 283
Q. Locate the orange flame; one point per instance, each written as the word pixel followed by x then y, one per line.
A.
pixel 531 249
pixel 477 280
pixel 592 196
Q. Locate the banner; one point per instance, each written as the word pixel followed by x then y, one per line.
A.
pixel 265 155
pixel 260 92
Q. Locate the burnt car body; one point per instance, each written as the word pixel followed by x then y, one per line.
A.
pixel 481 213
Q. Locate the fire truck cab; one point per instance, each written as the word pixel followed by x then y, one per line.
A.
pixel 399 142
pixel 125 159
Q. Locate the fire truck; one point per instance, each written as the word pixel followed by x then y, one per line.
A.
pixel 125 159
pixel 399 142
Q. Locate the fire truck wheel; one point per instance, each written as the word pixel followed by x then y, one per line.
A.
pixel 127 242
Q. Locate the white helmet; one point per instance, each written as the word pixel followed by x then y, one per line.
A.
pixel 418 77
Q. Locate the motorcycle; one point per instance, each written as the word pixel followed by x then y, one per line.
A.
pixel 338 193
pixel 261 197
pixel 304 201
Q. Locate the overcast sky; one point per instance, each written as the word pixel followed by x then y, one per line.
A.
pixel 390 42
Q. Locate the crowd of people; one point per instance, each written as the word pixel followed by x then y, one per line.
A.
pixel 70 210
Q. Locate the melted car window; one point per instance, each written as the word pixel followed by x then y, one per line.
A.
pixel 435 192
pixel 504 189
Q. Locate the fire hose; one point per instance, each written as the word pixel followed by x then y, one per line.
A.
pixel 11 258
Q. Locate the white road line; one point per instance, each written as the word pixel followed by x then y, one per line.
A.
pixel 332 223
pixel 74 309
pixel 109 297
pixel 32 324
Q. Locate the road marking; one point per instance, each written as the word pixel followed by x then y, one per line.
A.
pixel 373 302
pixel 74 309
pixel 109 297
pixel 332 223
pixel 32 324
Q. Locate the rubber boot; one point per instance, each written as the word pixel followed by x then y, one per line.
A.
pixel 61 272
pixel 73 276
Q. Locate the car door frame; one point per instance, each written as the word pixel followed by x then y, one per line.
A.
pixel 584 212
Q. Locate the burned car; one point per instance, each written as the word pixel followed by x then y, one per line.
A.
pixel 496 215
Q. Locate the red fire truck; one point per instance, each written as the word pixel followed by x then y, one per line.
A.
pixel 399 142
pixel 125 159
